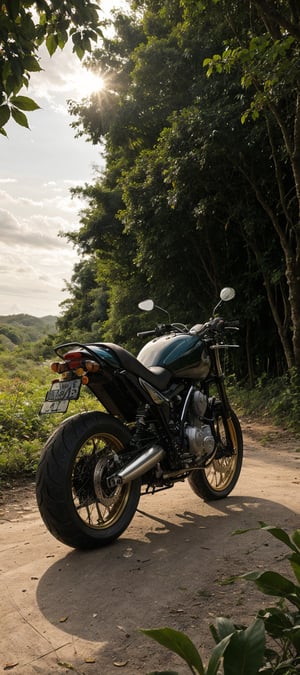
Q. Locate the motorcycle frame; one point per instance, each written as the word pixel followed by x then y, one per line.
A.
pixel 121 392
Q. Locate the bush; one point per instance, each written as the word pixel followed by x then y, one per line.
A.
pixel 276 398
pixel 23 431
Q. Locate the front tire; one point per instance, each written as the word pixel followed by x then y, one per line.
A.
pixel 72 494
pixel 218 479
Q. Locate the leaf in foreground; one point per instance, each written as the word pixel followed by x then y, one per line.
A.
pixel 179 643
pixel 245 652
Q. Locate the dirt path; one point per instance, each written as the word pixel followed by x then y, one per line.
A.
pixel 64 611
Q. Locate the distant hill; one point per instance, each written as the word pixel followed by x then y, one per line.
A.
pixel 15 329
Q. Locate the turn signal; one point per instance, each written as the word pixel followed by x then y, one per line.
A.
pixel 84 379
pixel 92 366
pixel 58 367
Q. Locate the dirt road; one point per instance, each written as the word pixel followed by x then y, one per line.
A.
pixel 63 611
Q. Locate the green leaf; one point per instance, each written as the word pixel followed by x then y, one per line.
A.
pixel 62 38
pixel 222 628
pixel 276 621
pixel 179 643
pixel 296 538
pixel 78 51
pixel 31 63
pixel 295 564
pixel 280 534
pixel 78 45
pixel 19 117
pixel 245 652
pixel 272 583
pixel 217 653
pixel 294 636
pixel 51 43
pixel 4 114
pixel 24 103
pixel 3 132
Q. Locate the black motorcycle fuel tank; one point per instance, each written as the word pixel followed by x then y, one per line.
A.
pixel 183 355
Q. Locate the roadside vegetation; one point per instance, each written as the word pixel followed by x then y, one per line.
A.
pixel 26 376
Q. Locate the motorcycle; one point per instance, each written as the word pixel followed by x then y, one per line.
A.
pixel 167 418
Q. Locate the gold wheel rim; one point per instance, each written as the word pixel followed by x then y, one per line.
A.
pixel 220 472
pixel 95 505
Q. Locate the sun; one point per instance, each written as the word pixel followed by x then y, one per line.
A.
pixel 84 82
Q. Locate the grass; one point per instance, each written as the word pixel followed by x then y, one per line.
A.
pixel 276 399
pixel 23 431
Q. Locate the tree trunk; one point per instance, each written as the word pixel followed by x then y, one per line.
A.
pixel 282 329
pixel 293 280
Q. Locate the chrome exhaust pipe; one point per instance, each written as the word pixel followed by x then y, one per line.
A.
pixel 138 467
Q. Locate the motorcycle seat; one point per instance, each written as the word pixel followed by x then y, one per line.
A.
pixel 156 376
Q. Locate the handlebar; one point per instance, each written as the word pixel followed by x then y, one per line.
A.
pixel 146 333
pixel 219 324
pixel 161 329
pixel 216 325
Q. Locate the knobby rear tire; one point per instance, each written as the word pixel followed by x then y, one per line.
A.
pixel 74 501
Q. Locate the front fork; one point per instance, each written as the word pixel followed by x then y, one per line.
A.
pixel 227 419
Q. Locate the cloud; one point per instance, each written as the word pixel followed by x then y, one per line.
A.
pixel 32 278
pixel 6 197
pixel 38 232
pixel 53 197
pixel 25 201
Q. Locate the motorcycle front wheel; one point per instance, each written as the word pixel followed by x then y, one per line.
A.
pixel 220 476
pixel 74 500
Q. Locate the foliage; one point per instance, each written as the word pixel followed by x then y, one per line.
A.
pixel 24 26
pixel 274 398
pixel 270 645
pixel 20 328
pixel 25 378
pixel 265 60
pixel 24 383
pixel 191 198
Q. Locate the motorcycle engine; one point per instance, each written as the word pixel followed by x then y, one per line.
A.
pixel 198 433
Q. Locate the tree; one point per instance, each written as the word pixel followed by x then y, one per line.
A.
pixel 24 26
pixel 265 55
pixel 191 160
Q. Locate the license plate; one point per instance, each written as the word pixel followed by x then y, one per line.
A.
pixel 58 397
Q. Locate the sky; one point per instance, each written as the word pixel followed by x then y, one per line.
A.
pixel 37 169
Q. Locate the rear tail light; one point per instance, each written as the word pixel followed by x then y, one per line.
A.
pixel 76 362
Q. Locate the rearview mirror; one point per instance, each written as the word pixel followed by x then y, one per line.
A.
pixel 227 294
pixel 146 305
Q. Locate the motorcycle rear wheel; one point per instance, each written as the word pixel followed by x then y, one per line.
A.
pixel 219 478
pixel 72 494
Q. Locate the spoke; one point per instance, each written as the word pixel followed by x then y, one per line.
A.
pixel 88 514
pixel 95 505
pixel 100 518
pixel 221 472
